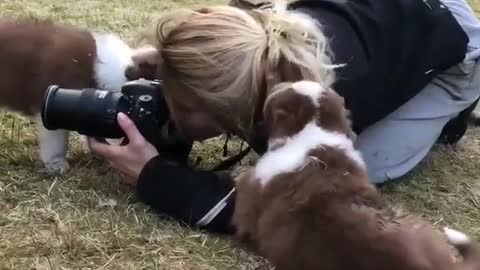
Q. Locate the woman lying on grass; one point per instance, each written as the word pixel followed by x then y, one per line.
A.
pixel 407 69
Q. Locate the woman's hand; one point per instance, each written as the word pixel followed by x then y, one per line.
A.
pixel 128 159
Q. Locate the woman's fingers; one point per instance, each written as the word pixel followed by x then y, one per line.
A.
pixel 134 136
pixel 103 149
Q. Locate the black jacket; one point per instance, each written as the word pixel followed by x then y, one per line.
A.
pixel 393 48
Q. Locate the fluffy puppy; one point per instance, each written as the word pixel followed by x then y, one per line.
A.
pixel 308 203
pixel 38 53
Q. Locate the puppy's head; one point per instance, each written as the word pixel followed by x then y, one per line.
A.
pixel 145 61
pixel 291 106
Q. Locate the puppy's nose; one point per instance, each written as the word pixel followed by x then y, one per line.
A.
pixel 132 73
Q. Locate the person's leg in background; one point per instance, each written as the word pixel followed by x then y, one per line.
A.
pixel 396 144
pixel 467 18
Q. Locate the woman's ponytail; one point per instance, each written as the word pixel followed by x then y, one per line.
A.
pixel 297 39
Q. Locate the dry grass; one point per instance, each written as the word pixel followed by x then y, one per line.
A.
pixel 86 220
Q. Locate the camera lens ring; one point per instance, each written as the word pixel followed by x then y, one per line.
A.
pixel 48 97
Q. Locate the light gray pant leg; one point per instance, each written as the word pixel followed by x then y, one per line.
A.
pixel 396 144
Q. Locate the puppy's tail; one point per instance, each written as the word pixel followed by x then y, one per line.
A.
pixel 468 249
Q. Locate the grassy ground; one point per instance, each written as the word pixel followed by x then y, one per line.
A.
pixel 85 220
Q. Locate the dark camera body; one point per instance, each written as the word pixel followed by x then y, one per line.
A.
pixel 93 112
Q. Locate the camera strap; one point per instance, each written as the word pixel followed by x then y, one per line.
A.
pixel 213 213
pixel 231 161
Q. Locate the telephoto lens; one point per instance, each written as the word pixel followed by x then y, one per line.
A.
pixel 90 112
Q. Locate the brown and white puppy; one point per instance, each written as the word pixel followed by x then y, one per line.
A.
pixel 37 53
pixel 308 203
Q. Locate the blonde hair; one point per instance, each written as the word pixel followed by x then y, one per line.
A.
pixel 227 58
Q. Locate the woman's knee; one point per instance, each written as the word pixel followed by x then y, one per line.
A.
pixel 391 148
pixel 380 172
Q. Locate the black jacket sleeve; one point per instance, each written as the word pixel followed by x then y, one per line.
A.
pixel 200 199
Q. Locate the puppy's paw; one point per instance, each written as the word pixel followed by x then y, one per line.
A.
pixel 455 237
pixel 474 118
pixel 56 167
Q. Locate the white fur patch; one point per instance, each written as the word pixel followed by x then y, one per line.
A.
pixel 310 89
pixel 293 154
pixel 113 58
pixel 277 141
pixel 455 237
pixel 53 148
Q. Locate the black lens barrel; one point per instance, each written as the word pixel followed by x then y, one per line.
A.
pixel 90 112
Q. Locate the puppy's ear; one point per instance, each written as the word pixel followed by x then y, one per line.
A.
pixel 280 115
pixel 275 114
pixel 145 64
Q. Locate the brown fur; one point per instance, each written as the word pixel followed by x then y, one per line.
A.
pixel 327 215
pixel 35 54
pixel 281 119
